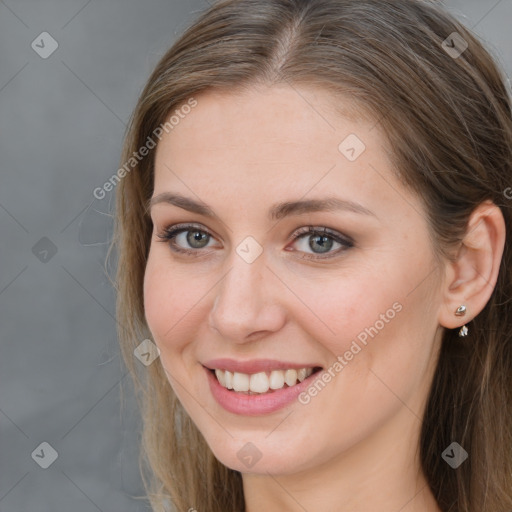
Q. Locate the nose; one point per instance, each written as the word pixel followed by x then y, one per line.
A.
pixel 247 306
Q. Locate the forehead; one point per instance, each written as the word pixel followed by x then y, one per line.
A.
pixel 276 144
pixel 265 127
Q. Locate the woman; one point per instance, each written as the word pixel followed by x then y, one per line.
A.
pixel 314 231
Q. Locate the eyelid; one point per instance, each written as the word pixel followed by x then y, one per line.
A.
pixel 187 226
pixel 169 233
pixel 341 237
pixel 345 241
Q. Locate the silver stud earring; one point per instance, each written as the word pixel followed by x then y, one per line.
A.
pixel 461 311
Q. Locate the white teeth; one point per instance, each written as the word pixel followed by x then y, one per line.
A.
pixel 221 376
pixel 240 381
pixel 261 382
pixel 276 379
pixel 228 376
pixel 290 377
pixel 302 374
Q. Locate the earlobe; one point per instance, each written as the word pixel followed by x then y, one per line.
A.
pixel 471 278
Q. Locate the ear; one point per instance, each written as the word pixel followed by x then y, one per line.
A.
pixel 471 278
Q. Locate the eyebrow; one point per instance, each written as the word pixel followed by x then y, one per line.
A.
pixel 277 211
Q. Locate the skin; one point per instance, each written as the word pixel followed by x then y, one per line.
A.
pixel 353 447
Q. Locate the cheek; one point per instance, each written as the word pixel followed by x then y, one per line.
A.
pixel 380 310
pixel 154 296
pixel 341 306
pixel 166 299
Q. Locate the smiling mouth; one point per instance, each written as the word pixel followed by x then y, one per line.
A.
pixel 262 382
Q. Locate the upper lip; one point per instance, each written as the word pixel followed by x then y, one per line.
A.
pixel 254 365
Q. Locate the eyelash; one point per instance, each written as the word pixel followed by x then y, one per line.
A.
pixel 169 234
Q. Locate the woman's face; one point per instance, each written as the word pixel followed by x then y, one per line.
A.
pixel 257 292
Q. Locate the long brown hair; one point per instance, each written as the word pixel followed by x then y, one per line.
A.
pixel 447 117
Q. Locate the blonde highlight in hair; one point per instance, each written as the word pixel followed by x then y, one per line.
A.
pixel 449 127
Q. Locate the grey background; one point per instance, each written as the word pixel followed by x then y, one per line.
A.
pixel 62 121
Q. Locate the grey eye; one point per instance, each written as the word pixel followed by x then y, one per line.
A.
pixel 196 239
pixel 324 243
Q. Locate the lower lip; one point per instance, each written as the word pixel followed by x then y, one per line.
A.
pixel 254 405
